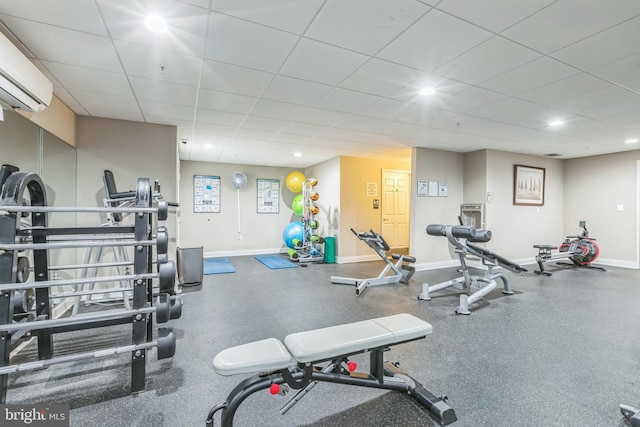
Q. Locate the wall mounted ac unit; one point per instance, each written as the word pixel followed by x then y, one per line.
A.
pixel 22 85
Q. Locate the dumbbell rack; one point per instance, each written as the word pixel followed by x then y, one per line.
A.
pixel 40 239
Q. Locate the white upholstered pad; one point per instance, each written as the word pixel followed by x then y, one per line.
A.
pixel 334 341
pixel 258 356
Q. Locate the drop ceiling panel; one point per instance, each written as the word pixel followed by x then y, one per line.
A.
pixel 288 15
pixel 421 45
pixel 494 15
pixel 610 45
pixel 348 101
pixel 234 79
pixel 85 16
pixel 491 58
pixel 595 99
pixel 102 105
pixel 295 91
pixel 380 77
pixel 169 93
pixel 187 25
pixel 309 60
pixel 548 30
pixel 221 101
pixel 239 42
pixel 56 44
pixel 532 75
pixel 363 26
pixel 143 61
pixel 561 90
pixel 74 77
pixel 620 71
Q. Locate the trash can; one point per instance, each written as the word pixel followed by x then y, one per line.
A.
pixel 190 266
pixel 329 250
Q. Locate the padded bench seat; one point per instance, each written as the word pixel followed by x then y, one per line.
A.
pixel 546 247
pixel 320 344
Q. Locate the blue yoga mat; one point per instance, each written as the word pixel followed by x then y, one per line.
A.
pixel 218 266
pixel 275 262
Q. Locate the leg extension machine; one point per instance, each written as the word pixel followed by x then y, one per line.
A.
pixel 401 269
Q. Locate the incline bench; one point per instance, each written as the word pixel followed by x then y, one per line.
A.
pixel 298 364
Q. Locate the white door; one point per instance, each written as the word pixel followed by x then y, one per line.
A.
pixel 395 207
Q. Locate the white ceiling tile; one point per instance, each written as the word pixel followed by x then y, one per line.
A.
pixel 147 62
pixel 219 117
pixel 610 45
pixel 73 77
pixel 468 100
pixel 309 60
pixel 156 90
pixel 170 111
pixel 518 112
pixel 234 79
pixel 214 100
pixel 594 99
pixel 382 78
pixel 187 24
pixel 556 92
pixel 362 25
pixel 491 58
pixel 287 15
pixel 619 71
pixel 540 72
pixel 239 42
pixel 253 122
pixel 295 91
pixel 548 30
pixel 59 44
pixel 494 15
pixel 102 105
pixel 432 41
pixel 85 16
pixel 443 87
pixel 347 101
pixel 616 108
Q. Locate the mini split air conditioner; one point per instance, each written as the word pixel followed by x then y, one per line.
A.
pixel 22 85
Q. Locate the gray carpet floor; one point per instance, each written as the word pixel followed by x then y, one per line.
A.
pixel 561 351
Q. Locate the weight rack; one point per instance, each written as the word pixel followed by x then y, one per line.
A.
pixel 14 271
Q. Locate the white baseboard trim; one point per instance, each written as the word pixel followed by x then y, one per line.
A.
pixel 246 252
pixel 617 263
pixel 360 258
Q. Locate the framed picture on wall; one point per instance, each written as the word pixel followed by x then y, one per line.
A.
pixel 528 185
pixel 268 195
pixel 206 194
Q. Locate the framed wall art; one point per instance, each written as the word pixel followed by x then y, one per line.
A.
pixel 528 185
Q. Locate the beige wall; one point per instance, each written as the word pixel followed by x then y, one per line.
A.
pixel 130 150
pixel 594 187
pixel 57 119
pixel 356 208
pixel 515 229
pixel 328 176
pixel 218 232
pixel 435 165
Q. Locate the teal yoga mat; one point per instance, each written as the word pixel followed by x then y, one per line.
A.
pixel 275 262
pixel 218 266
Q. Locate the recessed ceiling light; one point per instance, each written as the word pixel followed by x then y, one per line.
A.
pixel 297 154
pixel 556 123
pixel 427 91
pixel 631 141
pixel 208 146
pixel 156 23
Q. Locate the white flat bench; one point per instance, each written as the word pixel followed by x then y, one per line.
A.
pixel 293 363
pixel 320 344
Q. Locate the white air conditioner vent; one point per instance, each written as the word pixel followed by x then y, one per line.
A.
pixel 22 85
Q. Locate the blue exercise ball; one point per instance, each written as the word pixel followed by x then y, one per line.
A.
pixel 293 230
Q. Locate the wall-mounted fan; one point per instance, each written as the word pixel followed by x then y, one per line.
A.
pixel 238 180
